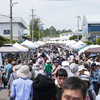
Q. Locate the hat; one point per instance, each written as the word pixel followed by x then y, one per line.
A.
pixel 44 88
pixel 55 61
pixel 37 66
pixel 84 77
pixel 65 63
pixel 15 68
pixel 81 67
pixel 81 61
pixel 24 72
pixel 48 61
pixel 39 60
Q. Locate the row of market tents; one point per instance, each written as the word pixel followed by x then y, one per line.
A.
pixel 23 47
pixel 80 46
pixel 72 44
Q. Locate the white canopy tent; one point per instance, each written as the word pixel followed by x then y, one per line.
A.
pixel 39 43
pixel 79 46
pixel 20 47
pixel 28 44
pixel 79 43
pixel 70 43
pixel 10 49
pixel 62 42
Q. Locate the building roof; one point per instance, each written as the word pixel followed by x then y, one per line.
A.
pixel 93 19
pixel 18 20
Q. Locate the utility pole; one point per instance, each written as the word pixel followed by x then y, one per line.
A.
pixel 39 32
pixel 32 26
pixel 11 31
pixel 78 18
pixel 11 34
pixel 39 26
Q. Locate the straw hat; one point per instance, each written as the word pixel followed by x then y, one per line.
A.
pixel 24 72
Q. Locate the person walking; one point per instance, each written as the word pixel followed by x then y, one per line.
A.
pixel 22 87
pixel 48 69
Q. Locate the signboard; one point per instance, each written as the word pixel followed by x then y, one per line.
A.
pixel 94 37
pixel 6 31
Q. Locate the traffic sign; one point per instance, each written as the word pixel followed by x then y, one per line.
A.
pixel 94 37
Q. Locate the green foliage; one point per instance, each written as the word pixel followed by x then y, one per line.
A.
pixel 35 28
pixel 5 41
pixel 87 42
pixel 75 37
pixel 26 37
pixel 65 31
pixel 51 32
pixel 98 41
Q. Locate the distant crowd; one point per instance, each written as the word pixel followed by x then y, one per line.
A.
pixel 54 72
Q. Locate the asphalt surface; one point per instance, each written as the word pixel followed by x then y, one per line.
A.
pixel 4 94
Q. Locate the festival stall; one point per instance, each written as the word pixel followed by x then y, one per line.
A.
pixel 86 48
pixel 24 49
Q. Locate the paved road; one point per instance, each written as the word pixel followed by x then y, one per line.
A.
pixel 4 94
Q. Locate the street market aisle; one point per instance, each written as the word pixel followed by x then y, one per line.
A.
pixel 4 94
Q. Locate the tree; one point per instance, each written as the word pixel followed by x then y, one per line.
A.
pixel 87 42
pixel 98 41
pixel 5 41
pixel 75 37
pixel 51 31
pixel 35 28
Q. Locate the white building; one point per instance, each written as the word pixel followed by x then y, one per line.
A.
pixel 90 26
pixel 18 27
pixel 63 37
pixel 66 36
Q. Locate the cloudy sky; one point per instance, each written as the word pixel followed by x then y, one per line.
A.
pixel 59 13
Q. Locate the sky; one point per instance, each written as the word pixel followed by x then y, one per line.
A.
pixel 58 13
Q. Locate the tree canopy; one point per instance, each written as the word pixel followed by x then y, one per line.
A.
pixel 51 31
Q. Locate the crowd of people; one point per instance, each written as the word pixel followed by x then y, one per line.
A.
pixel 54 72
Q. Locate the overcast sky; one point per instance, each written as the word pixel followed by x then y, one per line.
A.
pixel 59 13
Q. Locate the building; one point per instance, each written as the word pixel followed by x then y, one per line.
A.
pixel 90 26
pixel 18 27
pixel 66 36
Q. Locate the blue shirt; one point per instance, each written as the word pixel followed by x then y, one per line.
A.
pixel 99 77
pixel 22 89
pixel 7 67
